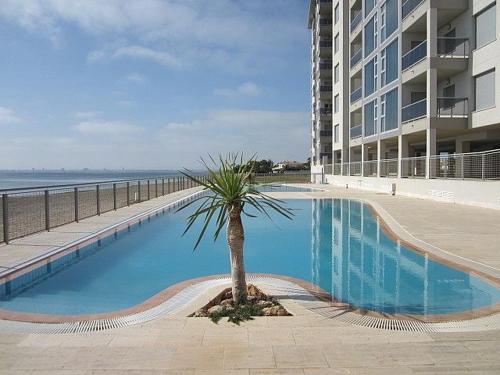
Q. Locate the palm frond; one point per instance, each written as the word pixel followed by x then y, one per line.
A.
pixel 228 179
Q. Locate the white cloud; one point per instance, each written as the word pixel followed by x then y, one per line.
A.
pixel 269 134
pixel 136 78
pixel 87 114
pixel 111 144
pixel 169 32
pixel 115 128
pixel 139 52
pixel 8 116
pixel 246 89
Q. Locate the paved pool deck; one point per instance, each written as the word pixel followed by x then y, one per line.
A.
pixel 305 343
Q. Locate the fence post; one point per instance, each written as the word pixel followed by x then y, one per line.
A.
pixel 162 186
pixel 482 166
pixel 128 193
pixel 156 188
pixel 47 211
pixel 168 185
pixel 462 167
pixel 114 197
pixel 5 215
pixel 76 205
pixel 97 194
pixel 139 190
pixel 149 197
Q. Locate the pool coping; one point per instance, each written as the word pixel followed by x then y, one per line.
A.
pixel 389 225
pixel 315 291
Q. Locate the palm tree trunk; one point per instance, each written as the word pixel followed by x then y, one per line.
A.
pixel 235 240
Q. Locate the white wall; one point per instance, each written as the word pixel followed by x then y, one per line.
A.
pixel 474 193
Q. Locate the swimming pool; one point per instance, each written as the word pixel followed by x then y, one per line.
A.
pixel 335 244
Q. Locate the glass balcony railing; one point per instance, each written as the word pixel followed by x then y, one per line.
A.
pixel 409 6
pixel 356 20
pixel 453 47
pixel 325 21
pixel 356 58
pixel 356 95
pixel 325 43
pixel 325 133
pixel 356 131
pixel 414 56
pixel 325 66
pixel 453 107
pixel 325 88
pixel 325 111
pixel 414 111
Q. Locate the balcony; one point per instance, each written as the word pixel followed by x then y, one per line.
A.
pixel 325 67
pixel 325 111
pixel 325 88
pixel 414 56
pixel 326 43
pixel 356 95
pixel 356 20
pixel 356 131
pixel 453 47
pixel 325 23
pixel 452 107
pixel 325 133
pixel 414 111
pixel 356 58
pixel 409 6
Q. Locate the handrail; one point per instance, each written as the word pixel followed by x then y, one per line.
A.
pixel 356 20
pixel 408 7
pixel 406 60
pixel 356 95
pixel 356 58
pixel 414 111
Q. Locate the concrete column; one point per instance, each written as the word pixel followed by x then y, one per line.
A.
pixel 430 150
pixel 432 32
pixel 402 153
pixel 363 156
pixel 431 52
pixel 380 154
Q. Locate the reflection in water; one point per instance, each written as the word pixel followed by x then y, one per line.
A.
pixel 354 260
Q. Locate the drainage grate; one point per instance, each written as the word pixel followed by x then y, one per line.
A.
pixel 286 289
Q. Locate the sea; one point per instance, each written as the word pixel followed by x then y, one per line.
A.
pixel 27 179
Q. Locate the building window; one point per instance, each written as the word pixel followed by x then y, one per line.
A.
pixel 336 43
pixel 369 5
pixel 370 77
pixel 389 19
pixel 389 63
pixel 389 111
pixel 336 103
pixel 370 36
pixel 370 118
pixel 485 90
pixel 336 133
pixel 486 26
pixel 337 13
pixel 336 73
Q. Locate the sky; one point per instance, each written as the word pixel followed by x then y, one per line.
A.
pixel 152 84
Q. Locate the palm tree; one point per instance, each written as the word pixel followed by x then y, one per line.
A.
pixel 230 192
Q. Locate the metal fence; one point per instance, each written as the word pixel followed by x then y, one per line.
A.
pixel 388 168
pixel 302 176
pixel 475 165
pixel 31 210
pixel 413 167
pixel 370 168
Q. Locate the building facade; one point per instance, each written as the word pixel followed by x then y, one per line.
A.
pixel 404 89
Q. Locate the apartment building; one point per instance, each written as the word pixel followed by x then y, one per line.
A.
pixel 406 90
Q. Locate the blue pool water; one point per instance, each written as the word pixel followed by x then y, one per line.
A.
pixel 335 244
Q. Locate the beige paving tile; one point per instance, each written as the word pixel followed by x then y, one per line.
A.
pixel 202 358
pixel 299 356
pixel 249 358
